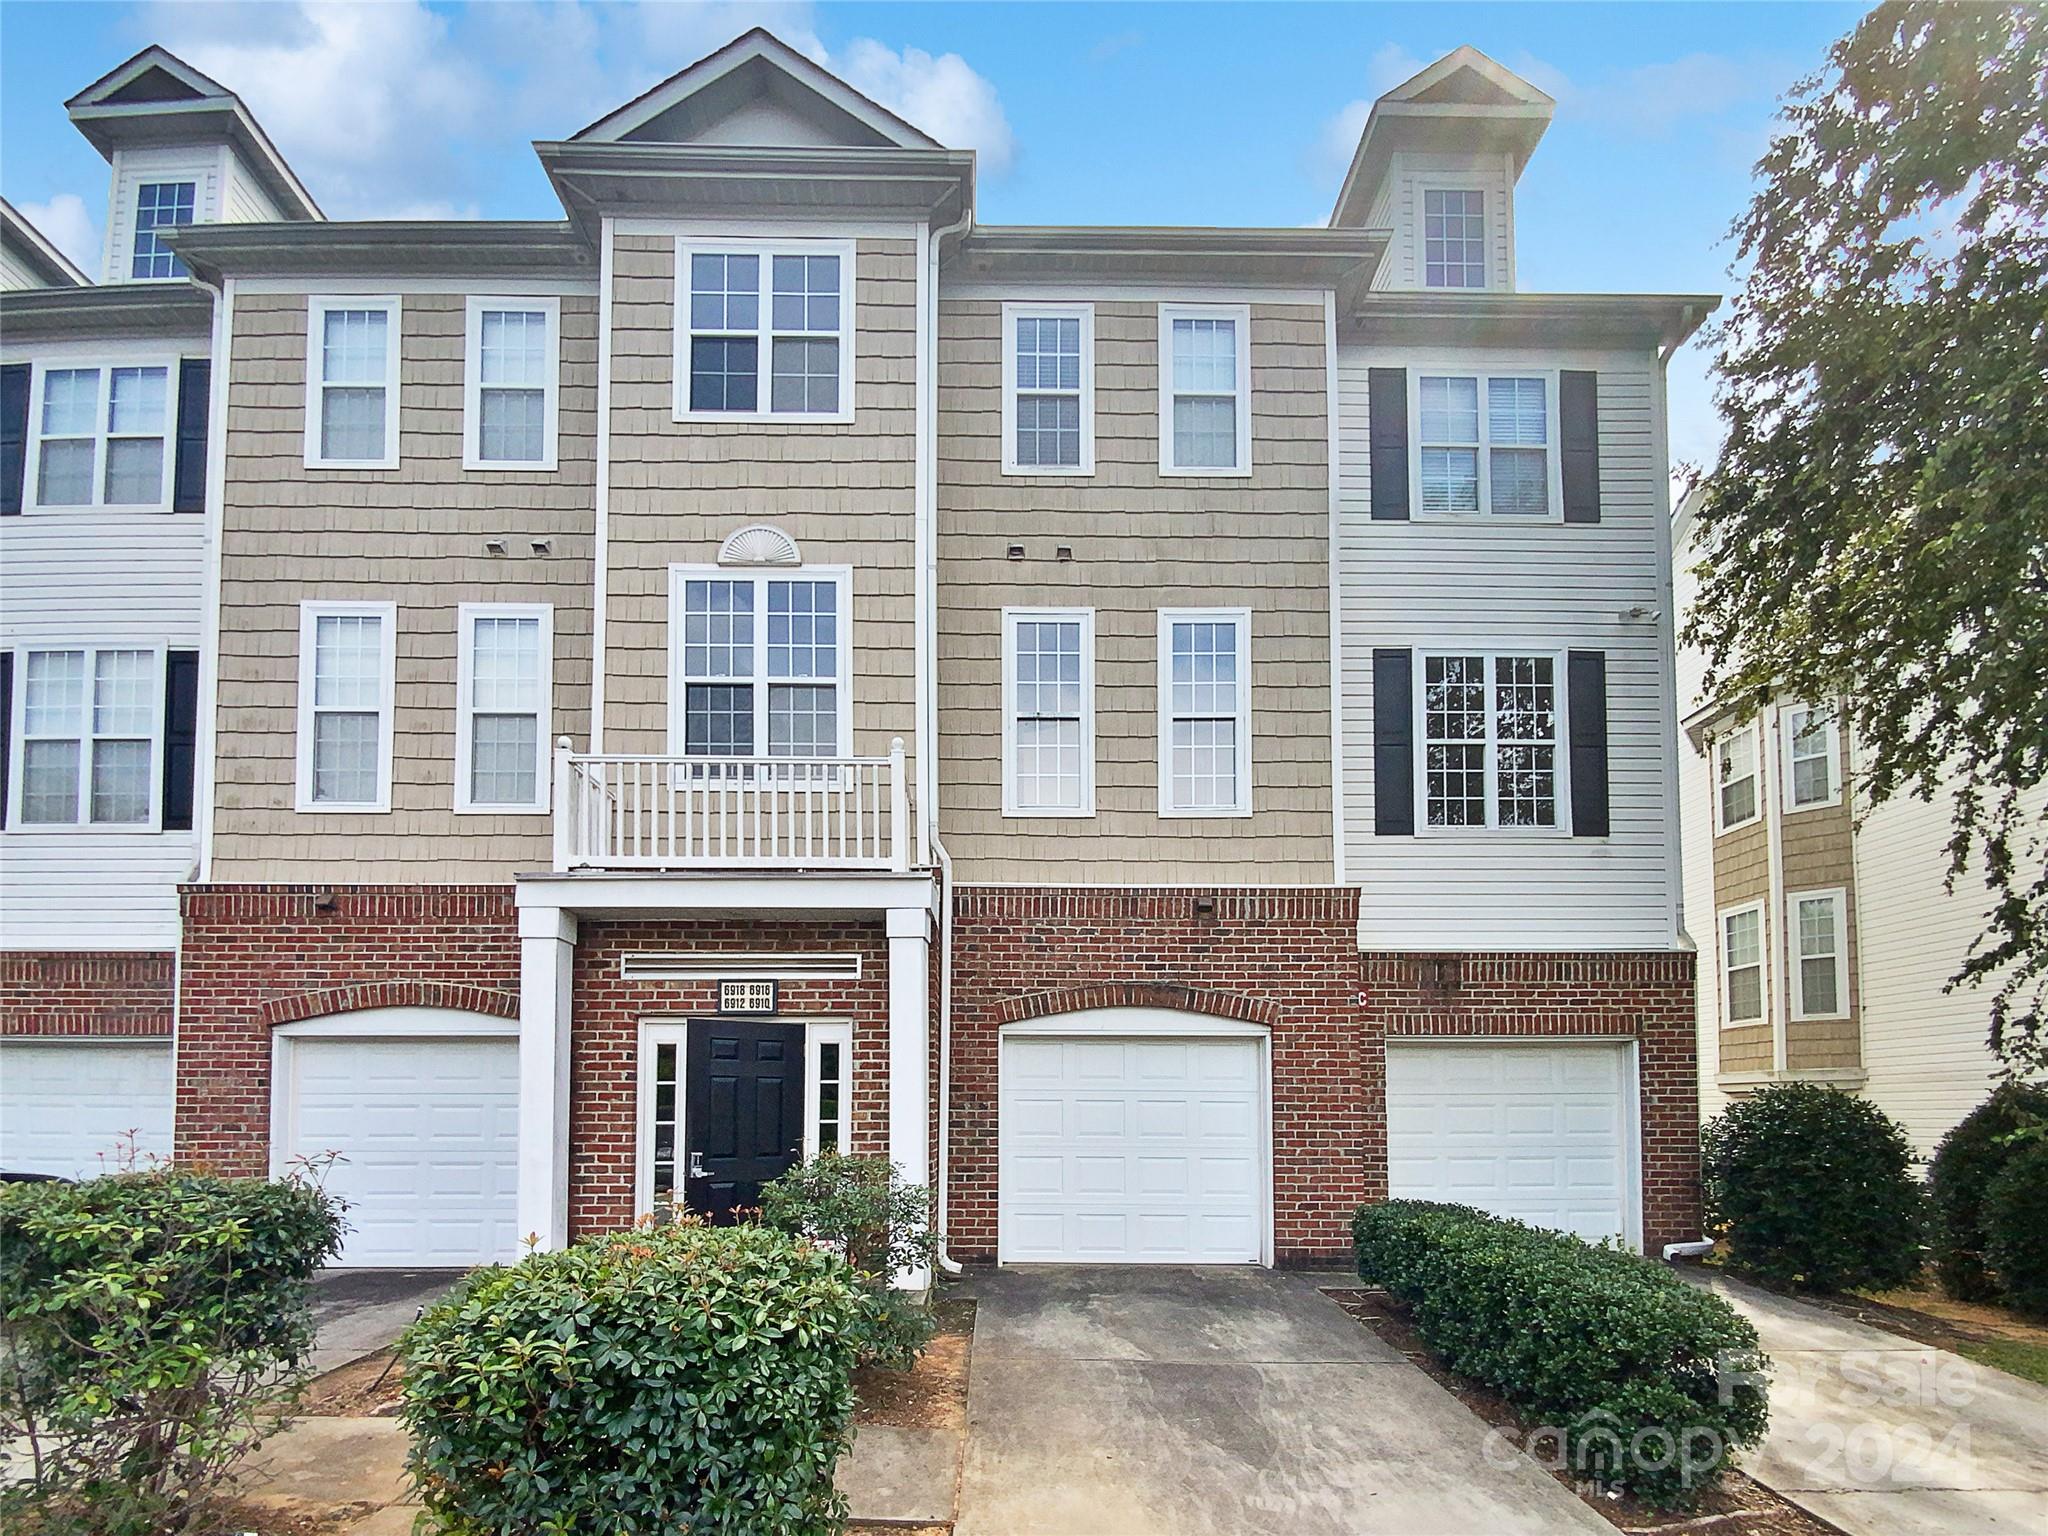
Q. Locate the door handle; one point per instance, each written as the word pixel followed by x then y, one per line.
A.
pixel 697 1166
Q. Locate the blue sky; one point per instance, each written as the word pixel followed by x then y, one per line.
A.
pixel 1117 114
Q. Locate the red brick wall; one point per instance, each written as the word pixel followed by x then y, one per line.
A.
pixel 256 956
pixel 87 994
pixel 1286 958
pixel 604 1046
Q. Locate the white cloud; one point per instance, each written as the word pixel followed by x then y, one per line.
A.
pixel 67 224
pixel 1116 43
pixel 944 96
pixel 1338 141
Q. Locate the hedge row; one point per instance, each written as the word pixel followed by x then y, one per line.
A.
pixel 1648 1383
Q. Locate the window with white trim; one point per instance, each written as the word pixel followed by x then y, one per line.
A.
pixel 1811 752
pixel 89 721
pixel 1453 237
pixel 1205 389
pixel 1486 445
pixel 511 378
pixel 1737 785
pixel 1820 970
pixel 828 1088
pixel 1205 713
pixel 347 653
pixel 160 205
pixel 504 674
pixel 352 383
pixel 760 664
pixel 101 435
pixel 1048 712
pixel 1490 736
pixel 1742 967
pixel 746 308
pixel 1049 389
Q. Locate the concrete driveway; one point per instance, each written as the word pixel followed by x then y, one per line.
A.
pixel 357 1312
pixel 1220 1402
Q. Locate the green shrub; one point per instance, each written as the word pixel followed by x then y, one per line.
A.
pixel 1642 1381
pixel 2016 1227
pixel 155 1327
pixel 1969 1158
pixel 1813 1188
pixel 643 1383
pixel 859 1206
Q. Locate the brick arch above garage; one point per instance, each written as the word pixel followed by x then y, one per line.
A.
pixel 1216 1004
pixel 390 994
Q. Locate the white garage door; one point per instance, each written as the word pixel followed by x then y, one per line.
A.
pixel 1132 1150
pixel 428 1134
pixel 1536 1132
pixel 69 1109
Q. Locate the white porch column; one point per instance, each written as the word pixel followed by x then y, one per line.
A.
pixel 909 1054
pixel 547 952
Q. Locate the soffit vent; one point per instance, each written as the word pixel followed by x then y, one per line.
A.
pixel 692 966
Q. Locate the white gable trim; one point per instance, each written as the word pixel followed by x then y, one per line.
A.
pixel 1466 56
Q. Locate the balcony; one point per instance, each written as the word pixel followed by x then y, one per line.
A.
pixel 731 813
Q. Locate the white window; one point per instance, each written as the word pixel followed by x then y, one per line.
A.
pixel 1811 752
pixel 1205 690
pixel 511 379
pixel 1048 389
pixel 101 434
pixel 1453 237
pixel 1048 712
pixel 745 308
pixel 761 664
pixel 90 724
pixel 1736 782
pixel 1488 740
pixel 352 383
pixel 1742 966
pixel 504 675
pixel 160 205
pixel 1485 445
pixel 346 661
pixel 828 1088
pixel 1205 389
pixel 1820 970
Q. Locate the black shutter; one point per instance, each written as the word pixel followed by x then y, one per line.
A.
pixel 1578 410
pixel 1586 708
pixel 195 398
pixel 1386 395
pixel 1393 743
pixel 181 737
pixel 6 729
pixel 13 435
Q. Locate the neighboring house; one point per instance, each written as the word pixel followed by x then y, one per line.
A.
pixel 1164 733
pixel 1826 936
pixel 105 391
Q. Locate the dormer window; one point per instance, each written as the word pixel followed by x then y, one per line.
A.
pixel 1453 237
pixel 749 308
pixel 160 205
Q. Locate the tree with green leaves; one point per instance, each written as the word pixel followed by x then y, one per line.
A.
pixel 1877 528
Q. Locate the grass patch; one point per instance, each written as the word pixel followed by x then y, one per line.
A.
pixel 2011 1355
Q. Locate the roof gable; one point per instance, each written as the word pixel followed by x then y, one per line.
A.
pixel 756 92
pixel 153 75
pixel 1465 77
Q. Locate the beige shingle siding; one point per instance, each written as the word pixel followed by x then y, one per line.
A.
pixel 1140 542
pixel 413 536
pixel 844 491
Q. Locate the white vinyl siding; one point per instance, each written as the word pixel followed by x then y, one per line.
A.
pixel 1519 587
pixel 1205 389
pixel 511 383
pixel 504 684
pixel 347 655
pixel 100 435
pixel 1048 389
pixel 1745 970
pixel 1205 712
pixel 760 664
pixel 1048 712
pixel 352 383
pixel 764 330
pixel 1812 758
pixel 1819 958
pixel 1738 778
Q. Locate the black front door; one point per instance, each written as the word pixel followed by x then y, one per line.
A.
pixel 745 1111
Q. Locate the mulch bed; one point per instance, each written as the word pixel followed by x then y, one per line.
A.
pixel 933 1393
pixel 362 1389
pixel 1736 1505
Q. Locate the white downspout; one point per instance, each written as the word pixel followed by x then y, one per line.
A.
pixel 1767 732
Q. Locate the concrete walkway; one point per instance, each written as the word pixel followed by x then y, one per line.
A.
pixel 357 1312
pixel 1220 1402
pixel 1884 1436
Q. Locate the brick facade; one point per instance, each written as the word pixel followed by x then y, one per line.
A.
pixel 256 956
pixel 104 996
pixel 1289 960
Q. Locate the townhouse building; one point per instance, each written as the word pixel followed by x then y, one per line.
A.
pixel 1165 734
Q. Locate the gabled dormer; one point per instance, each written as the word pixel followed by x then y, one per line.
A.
pixel 1436 167
pixel 184 149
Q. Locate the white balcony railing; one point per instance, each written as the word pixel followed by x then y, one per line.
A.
pixel 621 812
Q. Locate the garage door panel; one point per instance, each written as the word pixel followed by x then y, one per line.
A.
pixel 71 1108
